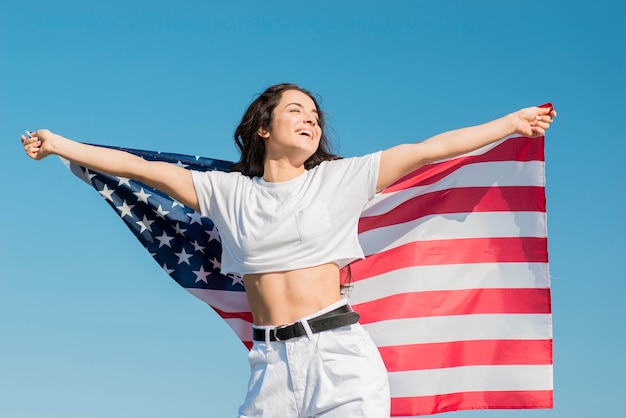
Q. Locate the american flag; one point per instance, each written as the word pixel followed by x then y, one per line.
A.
pixel 454 288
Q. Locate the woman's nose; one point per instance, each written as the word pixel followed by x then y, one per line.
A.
pixel 310 119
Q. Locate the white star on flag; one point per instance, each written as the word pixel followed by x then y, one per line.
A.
pixel 195 217
pixel 125 209
pixel 201 275
pixel 144 224
pixel 213 234
pixel 166 270
pixel 142 196
pixel 183 257
pixel 178 229
pixel 164 239
pixel 198 247
pixel 161 213
pixel 89 175
pixel 216 264
pixel 236 279
pixel 123 181
pixel 106 193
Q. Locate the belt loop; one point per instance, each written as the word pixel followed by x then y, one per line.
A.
pixel 307 328
pixel 268 342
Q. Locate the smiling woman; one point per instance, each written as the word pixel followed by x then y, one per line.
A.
pixel 288 216
pixel 260 115
pixel 294 135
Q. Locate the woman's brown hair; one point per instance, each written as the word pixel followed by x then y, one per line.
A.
pixel 260 115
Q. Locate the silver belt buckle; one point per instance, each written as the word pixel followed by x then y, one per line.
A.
pixel 277 329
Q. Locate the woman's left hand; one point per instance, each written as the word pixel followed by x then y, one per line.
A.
pixel 534 121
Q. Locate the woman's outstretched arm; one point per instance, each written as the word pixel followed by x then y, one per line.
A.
pixel 168 178
pixel 399 161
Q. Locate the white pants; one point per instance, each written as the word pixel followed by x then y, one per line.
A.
pixel 336 373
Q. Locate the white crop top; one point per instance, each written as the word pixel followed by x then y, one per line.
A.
pixel 304 222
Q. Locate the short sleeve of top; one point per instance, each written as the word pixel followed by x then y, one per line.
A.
pixel 304 222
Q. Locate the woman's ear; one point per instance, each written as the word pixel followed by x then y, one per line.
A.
pixel 263 133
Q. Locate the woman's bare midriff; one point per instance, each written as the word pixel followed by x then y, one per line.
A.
pixel 284 297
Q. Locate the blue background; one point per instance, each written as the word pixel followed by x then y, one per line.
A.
pixel 91 327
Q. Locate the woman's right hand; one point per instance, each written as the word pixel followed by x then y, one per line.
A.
pixel 171 179
pixel 39 144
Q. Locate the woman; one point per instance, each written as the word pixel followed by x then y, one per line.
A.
pixel 287 215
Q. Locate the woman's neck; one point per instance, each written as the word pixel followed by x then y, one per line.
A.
pixel 275 171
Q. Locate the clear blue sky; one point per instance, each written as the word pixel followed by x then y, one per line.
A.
pixel 91 327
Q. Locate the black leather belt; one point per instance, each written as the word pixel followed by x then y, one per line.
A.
pixel 330 320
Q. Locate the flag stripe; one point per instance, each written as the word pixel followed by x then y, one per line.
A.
pixel 466 353
pixel 470 379
pixel 223 301
pixel 453 227
pixel 451 277
pixel 404 406
pixel 460 200
pixel 456 302
pixel 245 316
pixel 494 174
pixel 438 329
pixel 241 327
pixel 459 251
pixel 514 149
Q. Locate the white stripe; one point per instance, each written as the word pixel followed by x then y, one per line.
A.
pixel 450 277
pixel 455 226
pixel 242 328
pixel 440 329
pixel 486 148
pixel 224 300
pixel 504 173
pixel 489 147
pixel 470 379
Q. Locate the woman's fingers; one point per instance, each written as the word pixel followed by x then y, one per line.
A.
pixel 543 120
pixel 31 145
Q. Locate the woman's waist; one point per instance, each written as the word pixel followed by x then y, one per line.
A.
pixel 335 315
pixel 284 297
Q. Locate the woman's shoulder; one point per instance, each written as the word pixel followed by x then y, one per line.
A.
pixel 220 177
pixel 219 174
pixel 350 162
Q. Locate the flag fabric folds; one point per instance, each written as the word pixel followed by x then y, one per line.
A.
pixel 454 288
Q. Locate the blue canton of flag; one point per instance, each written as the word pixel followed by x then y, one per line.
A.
pixel 184 243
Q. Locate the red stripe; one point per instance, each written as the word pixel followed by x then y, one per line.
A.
pixel 515 149
pixel 454 251
pixel 455 302
pixel 425 405
pixel 466 353
pixel 246 316
pixel 461 200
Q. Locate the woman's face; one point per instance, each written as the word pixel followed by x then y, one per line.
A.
pixel 295 132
